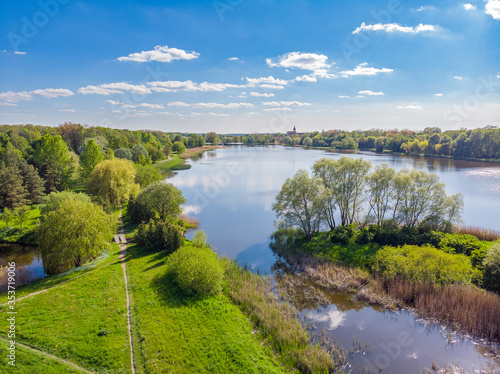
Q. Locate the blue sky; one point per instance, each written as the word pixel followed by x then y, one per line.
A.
pixel 251 65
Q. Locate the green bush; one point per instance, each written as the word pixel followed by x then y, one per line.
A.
pixel 159 236
pixel 196 271
pixel 54 200
pixel 491 263
pixel 421 264
pixel 343 234
pixel 460 243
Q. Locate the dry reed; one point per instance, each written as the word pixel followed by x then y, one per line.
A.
pixel 482 233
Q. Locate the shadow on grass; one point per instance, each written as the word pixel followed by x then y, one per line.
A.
pixel 170 293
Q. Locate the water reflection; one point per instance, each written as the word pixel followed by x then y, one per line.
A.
pixel 231 192
pixel 29 265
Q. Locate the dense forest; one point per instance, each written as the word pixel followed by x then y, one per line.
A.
pixel 481 144
pixel 36 160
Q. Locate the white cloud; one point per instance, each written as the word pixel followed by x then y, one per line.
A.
pixel 219 105
pixel 266 80
pixel 174 86
pixel 493 8
pixel 272 86
pixel 114 88
pixel 7 104
pixel 283 109
pixel 417 107
pixel 469 7
pixel 438 94
pixel 395 27
pixel 363 69
pixel 160 54
pixel 370 93
pixel 233 59
pixel 151 106
pixel 211 105
pixel 284 103
pixel 498 75
pixel 178 103
pixel 306 78
pixel 19 53
pixel 47 93
pixel 300 60
pixel 67 110
pixel 458 77
pixel 197 114
pixel 425 8
pixel 344 97
pixel 330 316
pixel 257 94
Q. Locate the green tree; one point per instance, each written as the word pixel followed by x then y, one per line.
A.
pixel 13 192
pixel 35 185
pixel 124 153
pixel 307 142
pixel 159 236
pixel 113 181
pixel 55 163
pixel 21 214
pixel 90 157
pixel 54 200
pixel 155 153
pixel 300 202
pixel 167 149
pixel 146 175
pixel 138 150
pixel 159 200
pixel 380 188
pixel 346 180
pixel 211 137
pixel 73 234
pixel 109 154
pixel 491 263
pixel 179 147
pixel 8 216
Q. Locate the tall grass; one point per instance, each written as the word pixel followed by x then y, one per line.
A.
pixel 277 320
pixel 467 308
pixel 482 233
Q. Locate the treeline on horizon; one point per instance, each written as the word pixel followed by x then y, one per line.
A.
pixel 480 144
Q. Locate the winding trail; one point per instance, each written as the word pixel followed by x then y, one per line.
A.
pixel 122 257
pixel 48 355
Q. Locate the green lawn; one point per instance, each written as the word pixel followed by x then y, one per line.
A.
pixel 179 334
pixel 83 321
pixel 15 233
pixel 28 362
pixel 175 163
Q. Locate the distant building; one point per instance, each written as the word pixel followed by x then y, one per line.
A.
pixel 291 133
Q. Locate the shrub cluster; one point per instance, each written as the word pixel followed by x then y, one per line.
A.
pixel 422 264
pixel 491 263
pixel 197 271
pixel 159 236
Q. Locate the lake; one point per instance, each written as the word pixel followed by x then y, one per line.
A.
pixel 231 192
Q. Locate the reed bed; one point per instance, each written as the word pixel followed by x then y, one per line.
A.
pixel 278 321
pixel 482 233
pixel 467 308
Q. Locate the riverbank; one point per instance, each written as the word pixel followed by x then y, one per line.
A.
pixel 346 267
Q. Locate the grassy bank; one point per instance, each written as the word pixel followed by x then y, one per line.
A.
pixel 82 321
pixel 198 151
pixel 182 334
pixel 175 162
pixel 432 292
pixel 15 234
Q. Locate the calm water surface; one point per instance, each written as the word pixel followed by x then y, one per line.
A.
pixel 29 264
pixel 231 191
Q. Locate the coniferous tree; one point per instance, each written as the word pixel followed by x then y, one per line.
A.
pixel 35 185
pixel 13 192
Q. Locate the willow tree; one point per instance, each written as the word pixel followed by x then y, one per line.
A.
pixel 74 233
pixel 300 202
pixel 113 181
